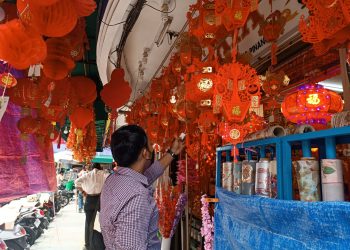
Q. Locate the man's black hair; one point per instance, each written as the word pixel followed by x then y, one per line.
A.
pixel 127 143
pixel 97 166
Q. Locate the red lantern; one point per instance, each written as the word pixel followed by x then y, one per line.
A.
pixel 58 62
pixel 85 90
pixel 77 39
pixel 19 46
pixel 117 92
pixel 7 80
pixel 55 20
pixel 81 117
pixel 311 104
pixel 26 93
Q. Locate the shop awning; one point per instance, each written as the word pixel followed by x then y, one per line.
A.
pixel 103 159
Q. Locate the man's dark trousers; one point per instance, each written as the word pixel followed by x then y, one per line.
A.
pixel 90 208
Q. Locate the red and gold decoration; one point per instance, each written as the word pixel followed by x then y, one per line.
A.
pixel 7 80
pixel 327 26
pixel 312 104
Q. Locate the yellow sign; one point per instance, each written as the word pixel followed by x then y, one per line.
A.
pixel 313 99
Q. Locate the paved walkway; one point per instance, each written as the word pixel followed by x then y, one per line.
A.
pixel 66 231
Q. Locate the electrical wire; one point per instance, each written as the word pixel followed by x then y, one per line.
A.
pixel 109 25
pixel 165 12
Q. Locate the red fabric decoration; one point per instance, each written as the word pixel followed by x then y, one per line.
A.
pixel 81 117
pixel 85 90
pixel 117 92
pixel 78 41
pixel 232 133
pixel 58 62
pixel 237 85
pixel 55 20
pixel 19 46
pixel 84 7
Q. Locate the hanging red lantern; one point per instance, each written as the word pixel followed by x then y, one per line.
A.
pixel 117 92
pixel 85 89
pixel 19 46
pixel 81 117
pixel 78 41
pixel 55 20
pixel 7 80
pixel 58 62
pixel 26 93
pixel 311 104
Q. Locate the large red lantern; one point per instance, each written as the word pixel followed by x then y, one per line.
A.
pixel 85 90
pixel 311 104
pixel 55 20
pixel 117 92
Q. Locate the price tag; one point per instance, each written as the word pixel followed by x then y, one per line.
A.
pixel 3 105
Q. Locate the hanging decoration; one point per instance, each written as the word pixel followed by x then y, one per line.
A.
pixel 58 63
pixel 272 28
pixel 7 80
pixel 19 46
pixel 117 92
pixel 55 20
pixel 273 82
pixel 311 104
pixel 207 229
pixel 237 89
pixel 327 26
pixel 84 89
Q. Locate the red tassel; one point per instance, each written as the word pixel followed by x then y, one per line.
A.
pixel 274 49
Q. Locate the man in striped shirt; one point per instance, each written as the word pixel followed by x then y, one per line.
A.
pixel 129 215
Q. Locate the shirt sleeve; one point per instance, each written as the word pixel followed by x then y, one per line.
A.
pixel 154 172
pixel 79 182
pixel 131 224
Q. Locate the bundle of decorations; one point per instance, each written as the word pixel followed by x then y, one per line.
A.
pixel 171 203
pixel 192 173
pixel 207 230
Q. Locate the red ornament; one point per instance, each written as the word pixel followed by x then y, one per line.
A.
pixel 26 93
pixel 7 80
pixel 84 7
pixel 232 133
pixel 117 92
pixel 328 24
pixel 311 104
pixel 237 87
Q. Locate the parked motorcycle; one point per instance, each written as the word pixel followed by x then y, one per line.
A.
pixel 14 239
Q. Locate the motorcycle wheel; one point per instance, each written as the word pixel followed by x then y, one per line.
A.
pixel 31 235
pixel 65 200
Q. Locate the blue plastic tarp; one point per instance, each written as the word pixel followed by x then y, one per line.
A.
pixel 252 222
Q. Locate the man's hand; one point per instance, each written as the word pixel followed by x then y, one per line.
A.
pixel 177 146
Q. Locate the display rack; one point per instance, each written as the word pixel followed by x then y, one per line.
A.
pixel 324 140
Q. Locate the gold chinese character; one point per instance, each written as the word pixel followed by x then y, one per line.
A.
pixel 313 99
pixel 238 15
pixel 236 110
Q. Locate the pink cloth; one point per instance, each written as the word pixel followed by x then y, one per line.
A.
pixel 26 167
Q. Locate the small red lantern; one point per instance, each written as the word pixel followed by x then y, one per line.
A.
pixel 7 80
pixel 311 104
pixel 81 117
pixel 85 89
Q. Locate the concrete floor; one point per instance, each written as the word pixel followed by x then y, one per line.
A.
pixel 66 232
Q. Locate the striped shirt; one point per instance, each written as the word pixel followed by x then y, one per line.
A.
pixel 129 214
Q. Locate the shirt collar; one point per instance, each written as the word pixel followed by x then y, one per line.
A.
pixel 133 174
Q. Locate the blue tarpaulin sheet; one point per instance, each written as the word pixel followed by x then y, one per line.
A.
pixel 252 222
